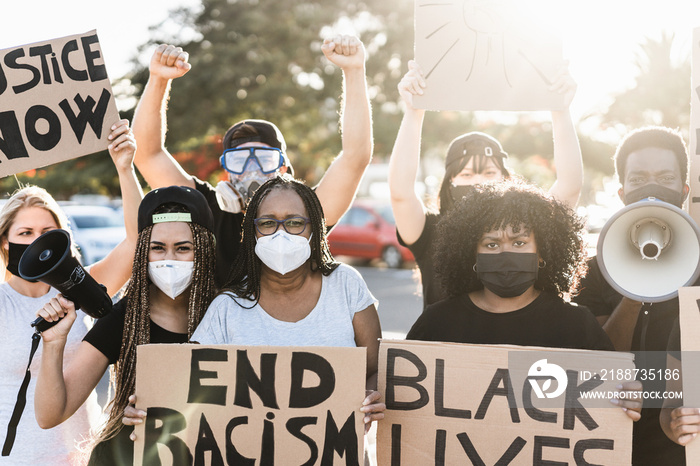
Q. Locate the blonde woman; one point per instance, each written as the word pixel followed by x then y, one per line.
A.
pixel 29 213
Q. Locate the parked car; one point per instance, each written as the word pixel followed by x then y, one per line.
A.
pixel 368 231
pixel 96 230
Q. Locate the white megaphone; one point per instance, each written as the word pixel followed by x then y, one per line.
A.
pixel 649 249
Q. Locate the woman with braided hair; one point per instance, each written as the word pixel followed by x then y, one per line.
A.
pixel 285 288
pixel 171 286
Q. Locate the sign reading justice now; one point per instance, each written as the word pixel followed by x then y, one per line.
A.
pixel 250 405
pixel 56 102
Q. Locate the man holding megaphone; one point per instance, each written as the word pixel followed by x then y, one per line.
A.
pixel 650 162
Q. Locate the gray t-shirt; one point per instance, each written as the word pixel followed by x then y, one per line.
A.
pixel 343 293
pixel 34 445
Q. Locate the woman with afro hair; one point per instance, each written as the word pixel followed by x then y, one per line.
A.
pixel 507 255
pixel 472 158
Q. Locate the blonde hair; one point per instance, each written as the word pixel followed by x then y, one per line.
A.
pixel 30 196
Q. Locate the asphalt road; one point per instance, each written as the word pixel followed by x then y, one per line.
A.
pixel 398 293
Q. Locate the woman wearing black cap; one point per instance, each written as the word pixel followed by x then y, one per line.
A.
pixel 473 158
pixel 171 286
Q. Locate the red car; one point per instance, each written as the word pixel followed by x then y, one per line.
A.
pixel 368 231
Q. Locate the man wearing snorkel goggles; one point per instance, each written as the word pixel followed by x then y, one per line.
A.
pixel 255 150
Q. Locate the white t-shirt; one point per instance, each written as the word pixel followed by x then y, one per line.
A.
pixel 343 293
pixel 34 445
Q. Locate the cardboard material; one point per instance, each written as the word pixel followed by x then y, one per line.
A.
pixel 250 405
pixel 689 300
pixel 462 404
pixel 56 102
pixel 694 143
pixel 480 55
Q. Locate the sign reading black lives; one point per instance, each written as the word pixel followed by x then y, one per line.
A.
pixel 466 404
pixel 56 102
pixel 250 405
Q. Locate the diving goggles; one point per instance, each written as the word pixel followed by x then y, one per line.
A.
pixel 237 160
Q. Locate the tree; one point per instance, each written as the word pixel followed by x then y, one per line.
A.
pixel 661 94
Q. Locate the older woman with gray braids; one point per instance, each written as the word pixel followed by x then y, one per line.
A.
pixel 170 289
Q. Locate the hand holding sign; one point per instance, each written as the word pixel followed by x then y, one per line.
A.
pixel 372 408
pixel 122 146
pixel 685 424
pixel 629 394
pixel 563 83
pixel 413 83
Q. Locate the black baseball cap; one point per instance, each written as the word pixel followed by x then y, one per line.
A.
pixel 198 210
pixel 471 144
pixel 268 134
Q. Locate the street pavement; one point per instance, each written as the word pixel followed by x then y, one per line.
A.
pixel 399 296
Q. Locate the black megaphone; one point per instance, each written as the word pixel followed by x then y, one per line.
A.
pixel 49 259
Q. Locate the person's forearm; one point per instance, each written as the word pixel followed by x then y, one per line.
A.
pixel 371 383
pixel 567 159
pixel 150 122
pixel 405 156
pixel 621 323
pixel 50 398
pixel 131 199
pixel 356 122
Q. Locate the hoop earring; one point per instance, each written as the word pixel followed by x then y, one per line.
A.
pixel 474 267
pixel 542 264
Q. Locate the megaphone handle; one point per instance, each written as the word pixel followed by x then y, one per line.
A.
pixel 41 325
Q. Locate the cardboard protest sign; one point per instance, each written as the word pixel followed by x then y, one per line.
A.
pixel 250 405
pixel 478 404
pixel 689 301
pixel 56 102
pixel 694 143
pixel 478 55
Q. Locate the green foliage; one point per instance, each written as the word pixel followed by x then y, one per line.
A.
pixel 263 59
pixel 661 95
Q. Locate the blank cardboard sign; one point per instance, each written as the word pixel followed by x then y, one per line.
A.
pixel 689 319
pixel 479 55
pixel 56 102
pixel 226 404
pixel 476 404
pixel 694 133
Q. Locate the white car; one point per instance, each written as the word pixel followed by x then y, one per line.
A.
pixel 96 230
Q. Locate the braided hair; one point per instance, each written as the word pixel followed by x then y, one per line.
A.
pixel 244 279
pixel 137 320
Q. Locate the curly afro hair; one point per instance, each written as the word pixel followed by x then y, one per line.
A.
pixel 558 232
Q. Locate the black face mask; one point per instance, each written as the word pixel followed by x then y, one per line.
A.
pixel 458 192
pixel 14 255
pixel 661 193
pixel 507 274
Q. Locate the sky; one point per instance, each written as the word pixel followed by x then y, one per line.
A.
pixel 601 37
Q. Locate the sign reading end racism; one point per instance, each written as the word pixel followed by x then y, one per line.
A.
pixel 470 404
pixel 56 102
pixel 250 405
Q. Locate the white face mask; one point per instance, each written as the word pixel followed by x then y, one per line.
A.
pixel 228 198
pixel 283 252
pixel 171 277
